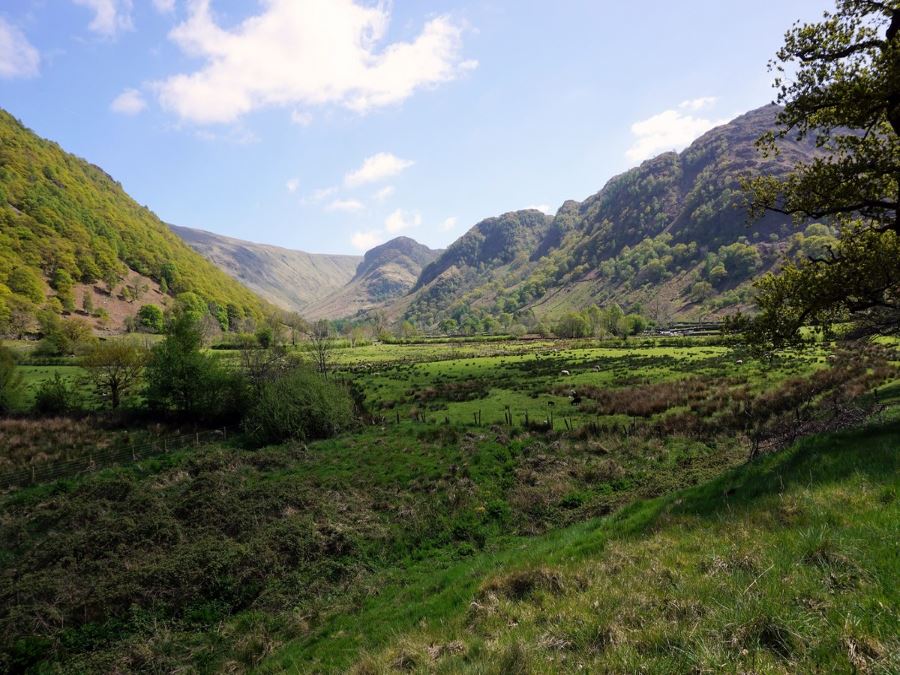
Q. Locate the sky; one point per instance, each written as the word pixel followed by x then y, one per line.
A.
pixel 334 125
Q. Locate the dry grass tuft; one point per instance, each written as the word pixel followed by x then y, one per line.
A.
pixel 523 585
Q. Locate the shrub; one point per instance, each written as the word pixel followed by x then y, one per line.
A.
pixel 299 405
pixel 54 396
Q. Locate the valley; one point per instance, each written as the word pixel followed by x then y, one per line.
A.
pixel 654 429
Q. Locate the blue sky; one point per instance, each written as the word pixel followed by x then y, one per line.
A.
pixel 334 125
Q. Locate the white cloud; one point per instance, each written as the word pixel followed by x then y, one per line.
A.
pixel 400 220
pixel 305 53
pixel 319 195
pixel 543 208
pixel 698 103
pixel 292 184
pixel 366 240
pixel 235 135
pixel 110 16
pixel 377 167
pixel 18 58
pixel 129 102
pixel 323 193
pixel 669 130
pixel 164 6
pixel 449 224
pixel 345 205
pixel 385 192
pixel 300 118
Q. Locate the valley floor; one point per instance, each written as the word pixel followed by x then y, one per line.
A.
pixel 497 514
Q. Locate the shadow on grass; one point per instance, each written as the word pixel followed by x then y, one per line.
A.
pixel 873 451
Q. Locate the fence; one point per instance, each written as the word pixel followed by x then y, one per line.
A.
pixel 42 472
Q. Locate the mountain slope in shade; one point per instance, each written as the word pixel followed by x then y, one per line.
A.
pixel 386 272
pixel 672 230
pixel 291 279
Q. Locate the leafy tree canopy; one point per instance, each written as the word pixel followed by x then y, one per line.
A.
pixel 844 91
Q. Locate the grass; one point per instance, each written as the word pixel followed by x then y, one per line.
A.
pixel 785 565
pixel 369 550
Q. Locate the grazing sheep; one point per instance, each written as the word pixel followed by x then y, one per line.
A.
pixel 740 362
pixel 596 369
pixel 565 372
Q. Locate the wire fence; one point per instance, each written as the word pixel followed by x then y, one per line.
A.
pixel 102 458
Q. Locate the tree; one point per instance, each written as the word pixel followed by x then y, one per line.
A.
pixel 662 311
pixel 615 321
pixel 844 91
pixel 26 282
pixel 178 374
pixel 718 274
pixel 357 335
pixel 320 345
pixel 379 322
pixel 191 304
pixel 64 336
pixel 114 367
pixel 150 318
pixel 594 315
pixel 265 337
pixel 235 316
pixel 87 302
pixel 406 330
pixel 573 325
pixel 700 291
pixel 260 364
pixel 63 284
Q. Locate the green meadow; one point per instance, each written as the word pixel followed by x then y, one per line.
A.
pixel 444 533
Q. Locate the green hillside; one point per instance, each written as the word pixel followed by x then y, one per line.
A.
pixel 65 222
pixel 673 231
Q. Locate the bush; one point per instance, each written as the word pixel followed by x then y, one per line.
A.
pixel 54 396
pixel 300 405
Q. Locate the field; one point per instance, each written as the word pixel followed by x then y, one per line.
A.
pixel 491 514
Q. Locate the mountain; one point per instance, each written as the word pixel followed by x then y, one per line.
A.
pixel 290 279
pixel 66 226
pixel 386 272
pixel 671 234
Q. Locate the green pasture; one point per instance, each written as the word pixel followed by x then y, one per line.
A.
pixel 532 379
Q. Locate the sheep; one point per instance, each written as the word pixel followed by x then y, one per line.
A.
pixel 596 369
pixel 565 372
pixel 740 362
